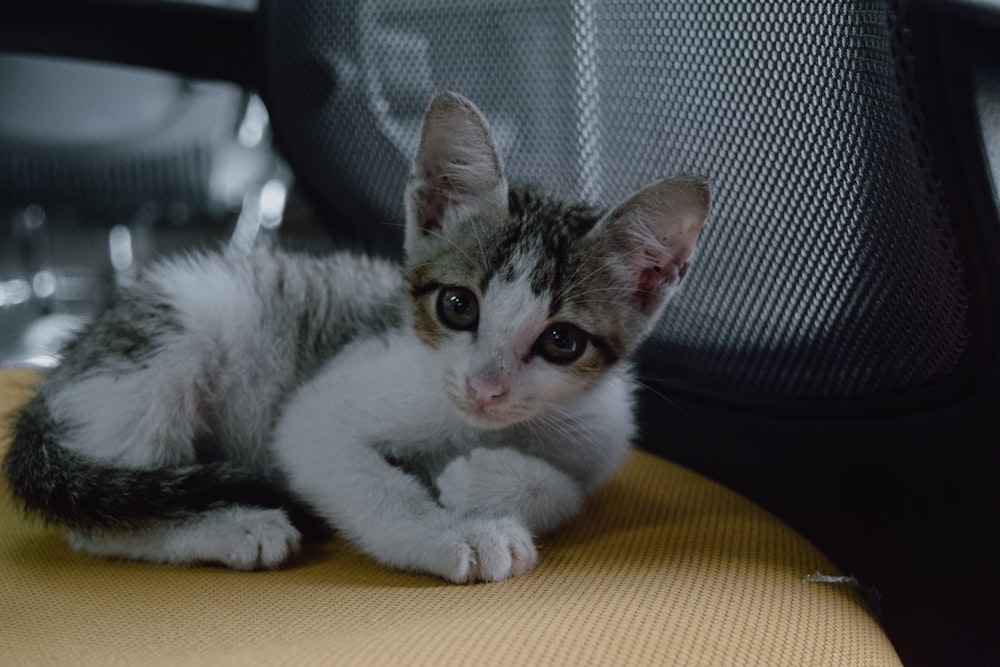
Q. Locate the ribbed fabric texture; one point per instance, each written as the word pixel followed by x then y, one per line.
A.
pixel 664 567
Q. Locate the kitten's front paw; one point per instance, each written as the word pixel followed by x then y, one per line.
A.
pixel 504 549
pixel 494 550
pixel 256 539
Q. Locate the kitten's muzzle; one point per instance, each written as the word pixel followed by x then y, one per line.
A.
pixel 484 391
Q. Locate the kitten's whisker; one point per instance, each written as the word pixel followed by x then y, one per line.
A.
pixel 562 422
pixel 590 301
pixel 666 399
pixel 575 279
pixel 454 245
pixel 607 264
pixel 479 241
pixel 551 430
pixel 616 260
pixel 603 289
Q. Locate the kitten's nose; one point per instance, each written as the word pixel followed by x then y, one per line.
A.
pixel 485 390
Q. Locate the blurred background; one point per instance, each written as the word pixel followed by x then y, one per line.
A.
pixel 104 167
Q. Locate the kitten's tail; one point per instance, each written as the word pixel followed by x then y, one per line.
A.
pixel 79 492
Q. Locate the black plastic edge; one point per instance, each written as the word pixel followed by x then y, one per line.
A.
pixel 192 40
pixel 987 11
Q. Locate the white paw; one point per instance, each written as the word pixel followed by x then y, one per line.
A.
pixel 492 550
pixel 241 537
pixel 253 539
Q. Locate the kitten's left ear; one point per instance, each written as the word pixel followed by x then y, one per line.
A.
pixel 652 236
pixel 457 170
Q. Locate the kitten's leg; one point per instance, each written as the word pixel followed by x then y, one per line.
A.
pixel 504 482
pixel 408 530
pixel 392 517
pixel 137 418
pixel 243 538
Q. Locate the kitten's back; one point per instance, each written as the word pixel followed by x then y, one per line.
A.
pixel 163 406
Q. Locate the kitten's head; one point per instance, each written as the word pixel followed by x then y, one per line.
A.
pixel 527 300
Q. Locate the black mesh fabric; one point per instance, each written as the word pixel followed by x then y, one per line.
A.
pixel 828 268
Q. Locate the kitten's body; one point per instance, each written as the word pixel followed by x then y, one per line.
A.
pixel 437 414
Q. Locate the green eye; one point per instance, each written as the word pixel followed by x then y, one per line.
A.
pixel 562 343
pixel 458 308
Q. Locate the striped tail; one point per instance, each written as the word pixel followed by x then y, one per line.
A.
pixel 79 492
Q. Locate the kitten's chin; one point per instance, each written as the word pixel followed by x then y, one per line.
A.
pixel 487 421
pixel 487 418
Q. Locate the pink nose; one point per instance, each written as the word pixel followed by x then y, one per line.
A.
pixel 485 390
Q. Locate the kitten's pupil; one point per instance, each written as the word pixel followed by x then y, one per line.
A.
pixel 458 308
pixel 562 343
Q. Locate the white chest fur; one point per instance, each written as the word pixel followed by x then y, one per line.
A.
pixel 386 394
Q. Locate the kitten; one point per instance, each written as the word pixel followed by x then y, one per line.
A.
pixel 438 414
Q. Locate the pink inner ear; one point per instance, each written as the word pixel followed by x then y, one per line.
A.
pixel 433 198
pixel 652 278
pixel 430 213
pixel 649 280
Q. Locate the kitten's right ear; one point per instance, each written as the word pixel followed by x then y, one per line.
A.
pixel 457 170
pixel 652 236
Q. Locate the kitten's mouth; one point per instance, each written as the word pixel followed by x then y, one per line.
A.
pixel 487 416
pixel 484 417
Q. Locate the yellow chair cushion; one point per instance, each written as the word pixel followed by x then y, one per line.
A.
pixel 664 567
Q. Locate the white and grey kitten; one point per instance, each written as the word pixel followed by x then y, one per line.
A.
pixel 438 414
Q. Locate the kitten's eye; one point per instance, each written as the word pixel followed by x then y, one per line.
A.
pixel 458 308
pixel 562 343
